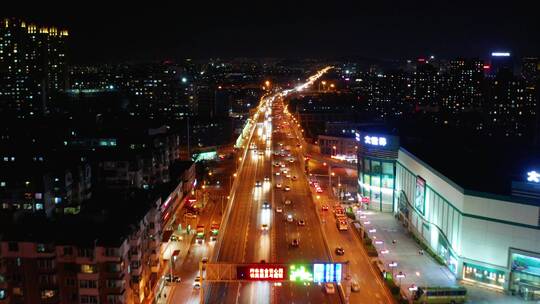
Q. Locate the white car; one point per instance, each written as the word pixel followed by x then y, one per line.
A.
pixel 288 202
pixel 279 209
pixel 278 185
pixel 264 227
pixel 329 288
pixel 287 188
pixel 355 287
pixel 290 218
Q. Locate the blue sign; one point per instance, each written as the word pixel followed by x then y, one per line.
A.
pixel 323 273
pixel 372 140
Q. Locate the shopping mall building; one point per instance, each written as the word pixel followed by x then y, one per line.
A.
pixel 479 211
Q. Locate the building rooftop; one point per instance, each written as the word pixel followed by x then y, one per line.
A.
pixel 106 220
pixel 475 164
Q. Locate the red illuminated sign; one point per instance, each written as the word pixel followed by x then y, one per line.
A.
pixel 262 272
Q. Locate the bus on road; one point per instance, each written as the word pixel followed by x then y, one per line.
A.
pixel 457 294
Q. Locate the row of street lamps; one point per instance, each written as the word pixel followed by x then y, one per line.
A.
pixel 392 265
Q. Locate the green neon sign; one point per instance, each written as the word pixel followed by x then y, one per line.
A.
pixel 301 273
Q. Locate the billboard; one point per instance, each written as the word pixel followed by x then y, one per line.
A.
pixel 262 272
pixel 420 194
pixel 318 272
pixel 328 272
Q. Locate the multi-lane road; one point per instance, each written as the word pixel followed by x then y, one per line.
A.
pixel 272 171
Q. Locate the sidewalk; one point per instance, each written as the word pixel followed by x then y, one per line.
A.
pixel 420 270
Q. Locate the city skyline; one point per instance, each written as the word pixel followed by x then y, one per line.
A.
pixel 282 153
pixel 293 30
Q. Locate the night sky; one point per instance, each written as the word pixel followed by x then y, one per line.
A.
pixel 106 32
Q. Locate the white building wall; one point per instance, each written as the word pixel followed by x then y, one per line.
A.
pixel 487 239
pixel 501 210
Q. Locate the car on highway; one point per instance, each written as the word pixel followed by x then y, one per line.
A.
pixel 294 177
pixel 355 287
pixel 278 185
pixel 261 152
pixel 290 218
pixel 301 223
pixel 288 202
pixel 266 205
pixel 319 190
pixel 190 215
pixel 267 178
pixel 169 278
pixel 197 282
pixel 258 184
pixel 295 243
pixel 324 207
pixel 288 176
pixel 329 288
pixel 264 227
pixel 204 261
pixel 340 251
pixel 279 209
pixel 287 188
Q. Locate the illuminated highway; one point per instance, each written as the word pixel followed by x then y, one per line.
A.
pixel 244 239
pixel 272 218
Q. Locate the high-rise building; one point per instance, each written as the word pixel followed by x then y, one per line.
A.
pixel 464 85
pixel 501 61
pixel 425 84
pixel 509 107
pixel 32 66
pixel 530 69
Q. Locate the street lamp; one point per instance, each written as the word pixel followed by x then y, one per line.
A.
pixel 400 276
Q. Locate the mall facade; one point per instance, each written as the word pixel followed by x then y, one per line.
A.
pixel 488 239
